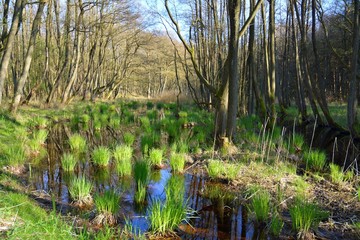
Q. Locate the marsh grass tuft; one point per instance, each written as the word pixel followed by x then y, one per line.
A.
pixel 177 162
pixel 15 155
pixel 122 155
pixel 80 189
pixel 101 156
pixel 297 143
pixel 107 206
pixel 218 169
pixel 165 218
pixel 315 160
pixel 336 174
pixel 40 136
pixel 155 157
pixel 276 225
pixel 301 187
pixel 129 138
pixel 141 172
pixel 140 193
pixel 68 162
pixel 305 216
pixel 260 205
pixel 215 169
pixel 77 143
pixel 175 189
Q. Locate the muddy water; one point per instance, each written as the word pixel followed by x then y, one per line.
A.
pixel 216 217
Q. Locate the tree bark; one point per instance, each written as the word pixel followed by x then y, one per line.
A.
pixel 28 57
pixel 18 8
pixel 355 71
pixel 233 102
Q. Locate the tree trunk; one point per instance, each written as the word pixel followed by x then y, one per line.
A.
pixel 28 57
pixel 355 71
pixel 18 8
pixel 77 52
pixel 272 79
pixel 299 88
pixel 234 18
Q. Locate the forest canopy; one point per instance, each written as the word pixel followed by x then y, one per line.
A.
pixel 238 57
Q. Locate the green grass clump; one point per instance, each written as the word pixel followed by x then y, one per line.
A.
pixel 297 143
pixel 14 155
pixel 358 193
pixel 301 187
pixel 101 156
pixel 306 216
pixel 77 143
pixel 276 225
pixel 68 162
pixel 215 168
pixel 38 122
pixel 40 136
pixel 141 172
pixel 336 174
pixel 145 124
pixel 129 138
pixel 175 189
pixel 177 162
pixel 260 205
pixel 122 155
pixel 166 217
pixel 156 156
pixel 315 160
pixel 107 206
pixel 149 141
pixel 80 189
pixel 140 193
pixel 218 169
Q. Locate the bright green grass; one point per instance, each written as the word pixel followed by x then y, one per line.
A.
pixel 301 187
pixel 77 143
pixel 218 169
pixel 175 189
pixel 129 138
pixel 80 189
pixel 68 162
pixel 28 221
pixel 156 156
pixel 101 156
pixel 14 155
pixel 215 169
pixel 37 122
pixel 141 172
pixel 40 136
pixel 315 160
pixel 260 205
pixel 177 162
pixel 122 155
pixel 107 203
pixel 276 225
pixel 306 216
pixel 140 193
pixel 165 218
pixel 336 174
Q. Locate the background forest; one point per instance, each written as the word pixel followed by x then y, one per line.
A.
pixel 296 52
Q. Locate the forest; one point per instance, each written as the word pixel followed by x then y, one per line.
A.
pixel 179 119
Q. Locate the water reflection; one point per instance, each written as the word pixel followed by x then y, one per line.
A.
pixel 218 214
